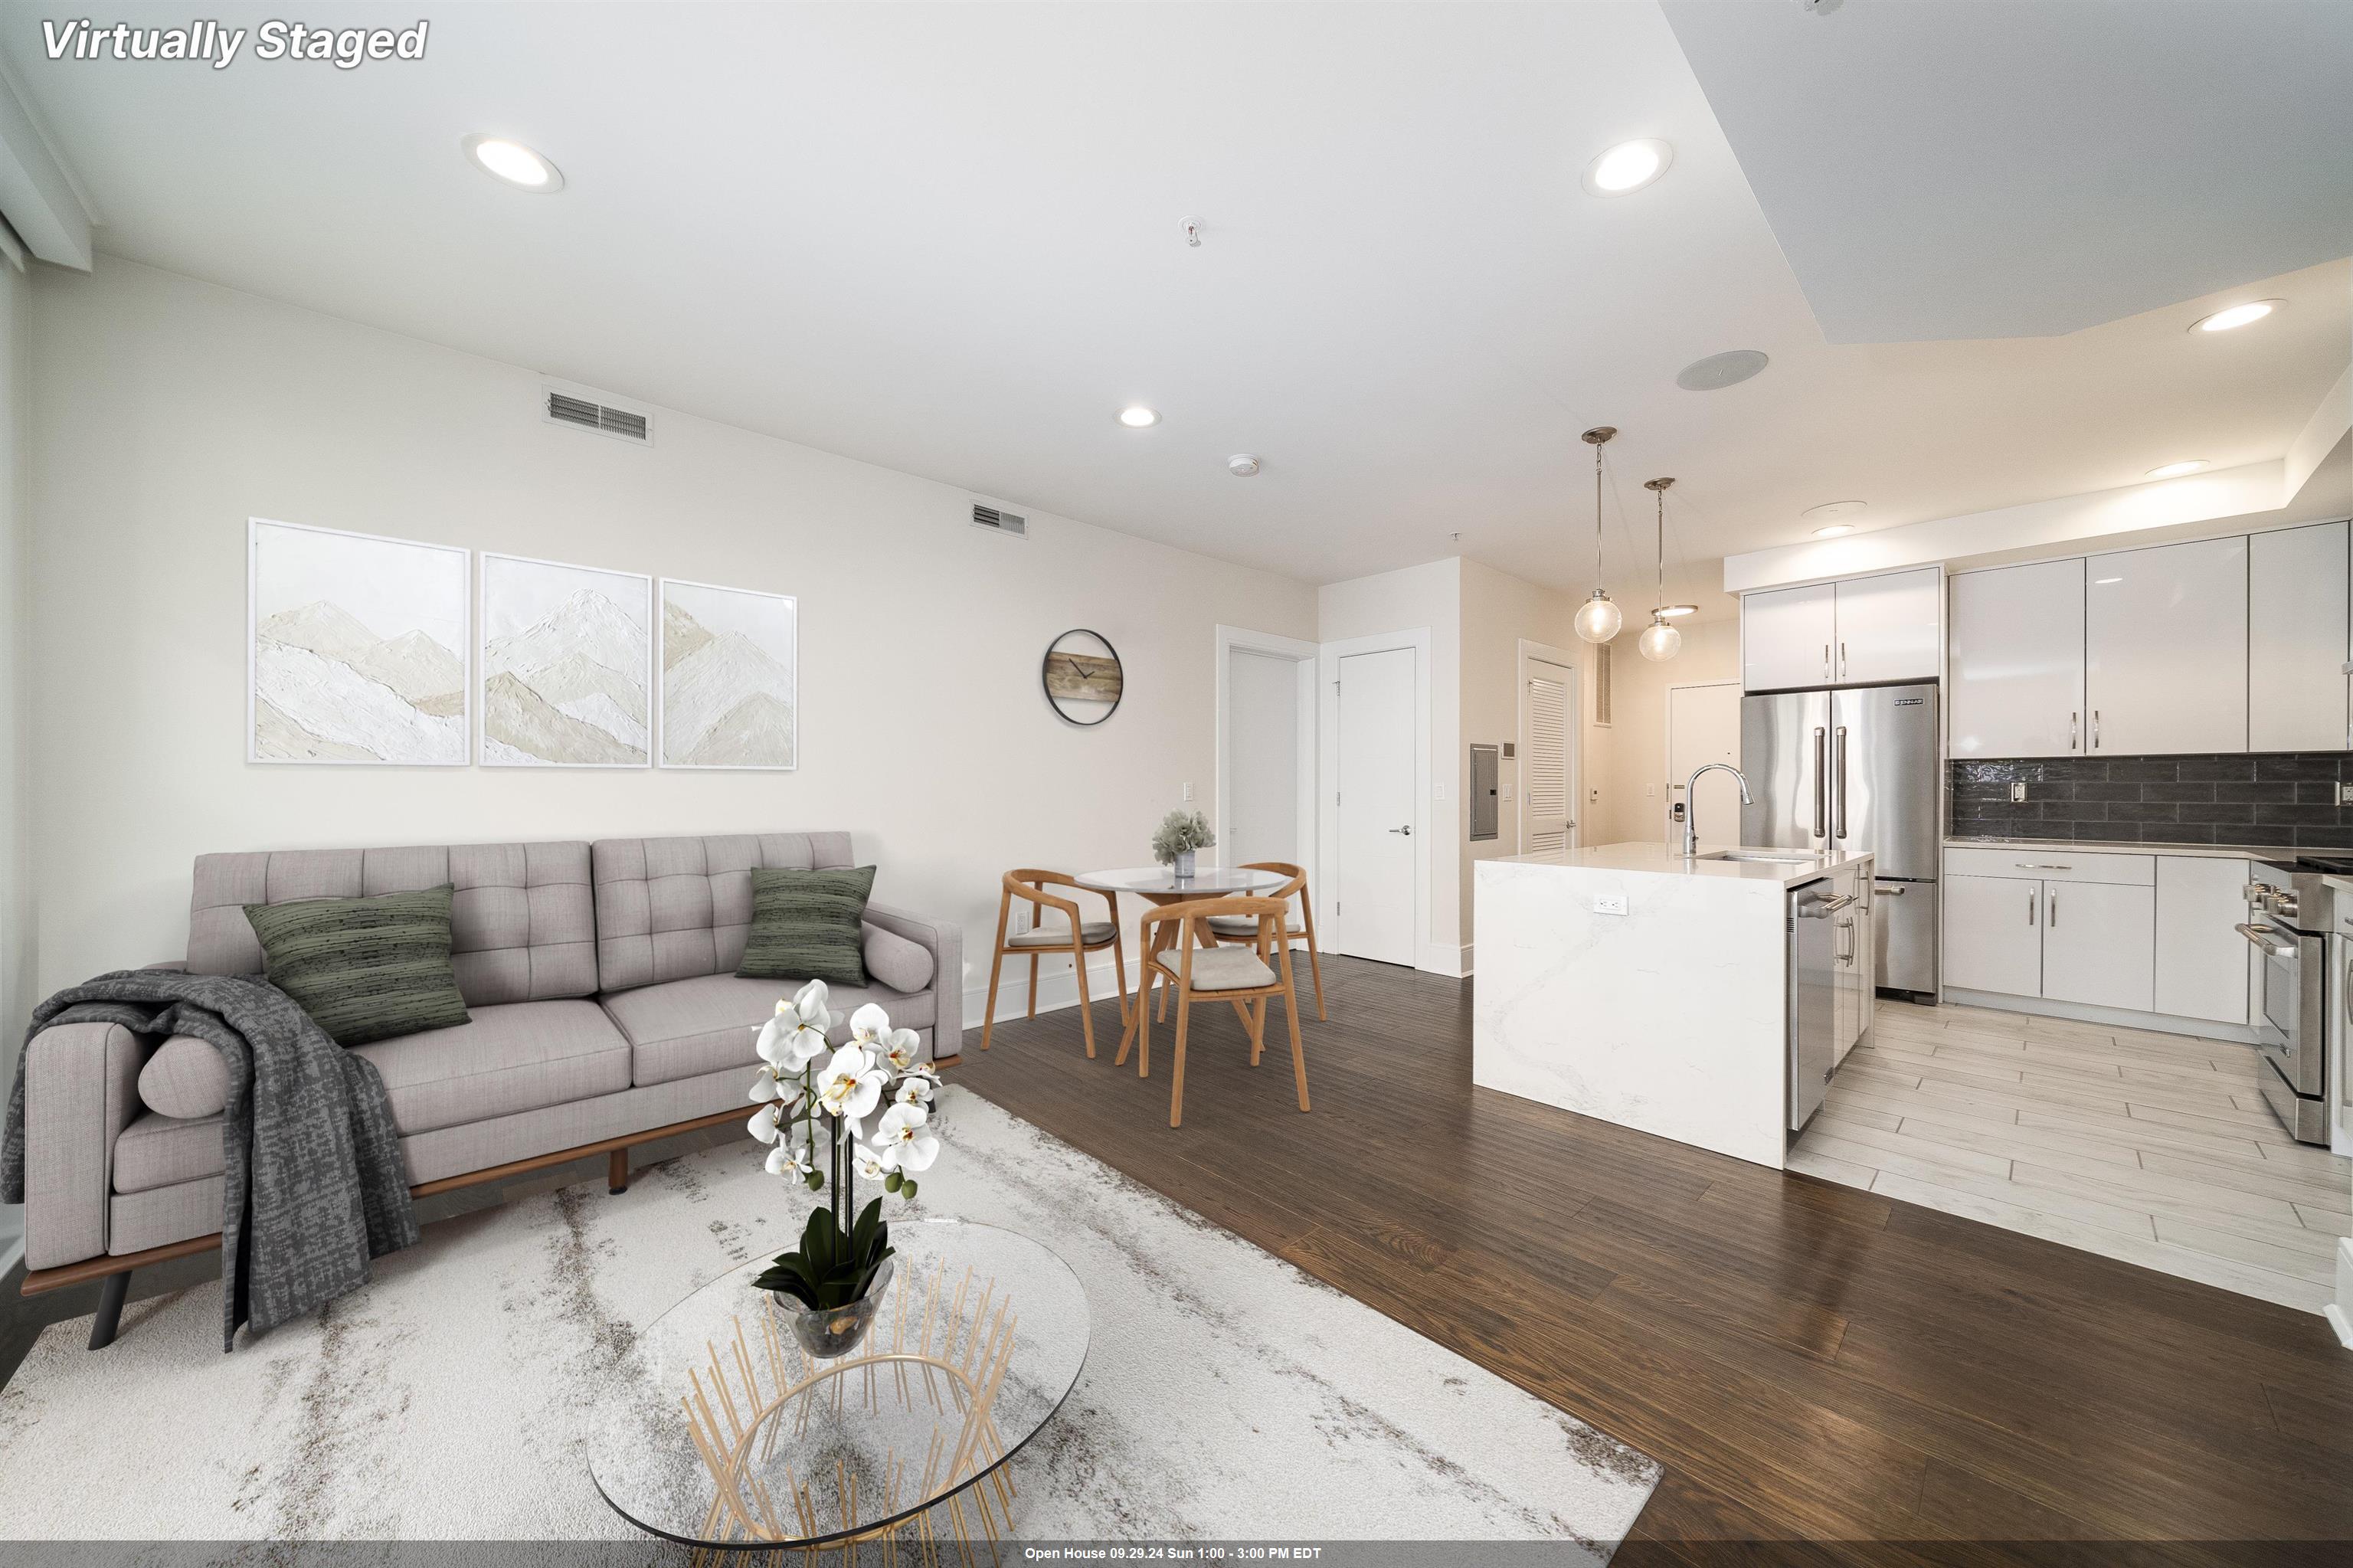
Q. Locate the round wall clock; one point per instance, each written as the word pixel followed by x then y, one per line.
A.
pixel 1082 676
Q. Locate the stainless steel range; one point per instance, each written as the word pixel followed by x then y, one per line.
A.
pixel 2291 914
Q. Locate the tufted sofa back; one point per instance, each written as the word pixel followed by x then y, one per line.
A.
pixel 673 908
pixel 523 924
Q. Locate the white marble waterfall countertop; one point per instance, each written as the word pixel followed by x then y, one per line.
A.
pixel 1793 867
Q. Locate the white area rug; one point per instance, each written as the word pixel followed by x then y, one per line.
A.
pixel 1227 1396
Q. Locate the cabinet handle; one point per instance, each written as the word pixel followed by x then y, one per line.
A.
pixel 2095 730
pixel 2074 729
pixel 2042 865
pixel 1826 661
pixel 2029 905
pixel 2054 894
pixel 1842 659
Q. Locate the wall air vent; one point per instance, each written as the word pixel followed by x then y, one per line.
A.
pixel 622 424
pixel 999 522
pixel 1602 684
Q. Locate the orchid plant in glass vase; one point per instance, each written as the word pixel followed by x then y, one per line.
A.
pixel 831 1117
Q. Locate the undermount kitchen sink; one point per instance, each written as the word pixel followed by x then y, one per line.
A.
pixel 1763 856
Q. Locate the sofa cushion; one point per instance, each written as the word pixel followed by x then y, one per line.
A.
pixel 705 1025
pixel 364 969
pixel 518 1057
pixel 673 908
pixel 521 924
pixel 185 1078
pixel 893 961
pixel 162 1151
pixel 805 925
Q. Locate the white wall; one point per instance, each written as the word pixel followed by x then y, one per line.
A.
pixel 1429 596
pixel 171 410
pixel 17 933
pixel 1638 749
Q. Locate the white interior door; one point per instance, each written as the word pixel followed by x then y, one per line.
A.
pixel 1373 888
pixel 1264 727
pixel 1703 726
pixel 1548 780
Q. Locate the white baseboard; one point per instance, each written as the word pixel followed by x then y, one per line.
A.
pixel 2115 1017
pixel 2340 1311
pixel 1444 958
pixel 1057 988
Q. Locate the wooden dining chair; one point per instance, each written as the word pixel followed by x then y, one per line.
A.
pixel 1200 970
pixel 1297 928
pixel 1081 937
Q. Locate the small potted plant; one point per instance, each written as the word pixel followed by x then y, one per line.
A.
pixel 815 1102
pixel 1181 834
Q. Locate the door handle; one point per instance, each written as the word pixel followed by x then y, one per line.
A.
pixel 1406 830
pixel 1822 788
pixel 1838 769
pixel 2263 939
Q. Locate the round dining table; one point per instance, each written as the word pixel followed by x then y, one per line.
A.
pixel 1160 885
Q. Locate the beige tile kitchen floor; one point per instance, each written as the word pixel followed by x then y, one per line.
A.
pixel 2152 1149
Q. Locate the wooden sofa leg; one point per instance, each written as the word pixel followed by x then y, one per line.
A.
pixel 616 1171
pixel 113 1292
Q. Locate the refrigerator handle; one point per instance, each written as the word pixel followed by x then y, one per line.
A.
pixel 1822 786
pixel 1838 783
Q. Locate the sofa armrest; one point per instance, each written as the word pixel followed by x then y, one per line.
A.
pixel 169 966
pixel 81 1089
pixel 945 939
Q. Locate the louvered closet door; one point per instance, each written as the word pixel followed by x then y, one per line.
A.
pixel 1550 825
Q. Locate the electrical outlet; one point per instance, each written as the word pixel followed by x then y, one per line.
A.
pixel 2017 793
pixel 2344 794
pixel 1188 790
pixel 1609 903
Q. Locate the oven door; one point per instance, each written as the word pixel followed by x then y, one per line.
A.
pixel 2293 1027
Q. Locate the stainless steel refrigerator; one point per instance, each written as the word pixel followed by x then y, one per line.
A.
pixel 1855 769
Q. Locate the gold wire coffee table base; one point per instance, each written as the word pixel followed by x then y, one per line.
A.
pixel 763 1388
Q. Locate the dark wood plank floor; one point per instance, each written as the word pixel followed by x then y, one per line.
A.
pixel 1811 1362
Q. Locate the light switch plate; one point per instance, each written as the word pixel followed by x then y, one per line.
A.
pixel 1188 791
pixel 1609 903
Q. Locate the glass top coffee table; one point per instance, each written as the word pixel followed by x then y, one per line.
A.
pixel 734 1437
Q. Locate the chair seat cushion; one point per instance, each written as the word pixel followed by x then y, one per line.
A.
pixel 520 1056
pixel 1246 926
pixel 163 1152
pixel 1220 968
pixel 1089 933
pixel 681 1029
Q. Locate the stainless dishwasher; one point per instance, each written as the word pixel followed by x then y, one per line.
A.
pixel 1814 995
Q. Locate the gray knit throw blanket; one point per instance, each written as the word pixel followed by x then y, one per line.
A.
pixel 314 1184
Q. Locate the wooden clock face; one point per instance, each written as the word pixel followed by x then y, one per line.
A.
pixel 1082 677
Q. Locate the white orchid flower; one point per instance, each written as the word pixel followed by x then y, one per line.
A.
pixel 867 1162
pixel 787 1160
pixel 899 1049
pixel 906 1141
pixel 850 1086
pixel 796 1036
pixel 914 1089
pixel 764 1122
pixel 870 1027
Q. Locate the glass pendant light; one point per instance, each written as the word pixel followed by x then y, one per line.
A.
pixel 1598 619
pixel 1660 641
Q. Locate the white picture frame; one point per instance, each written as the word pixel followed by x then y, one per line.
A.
pixel 350 639
pixel 739 707
pixel 560 683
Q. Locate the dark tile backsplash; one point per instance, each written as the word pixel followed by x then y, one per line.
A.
pixel 2285 799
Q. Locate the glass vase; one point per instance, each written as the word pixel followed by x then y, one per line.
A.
pixel 831 1332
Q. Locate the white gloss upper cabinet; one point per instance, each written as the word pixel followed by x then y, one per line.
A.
pixel 1887 628
pixel 2165 649
pixel 2296 639
pixel 2016 645
pixel 1789 637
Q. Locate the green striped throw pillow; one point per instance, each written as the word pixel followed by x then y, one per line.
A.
pixel 364 969
pixel 805 926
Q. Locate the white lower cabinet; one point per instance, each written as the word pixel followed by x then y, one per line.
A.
pixel 1993 934
pixel 2201 960
pixel 2099 944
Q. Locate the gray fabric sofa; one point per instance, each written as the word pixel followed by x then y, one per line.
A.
pixel 600 979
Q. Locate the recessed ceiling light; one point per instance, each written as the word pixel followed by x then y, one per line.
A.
pixel 2236 315
pixel 1676 612
pixel 1834 530
pixel 1718 371
pixel 1139 417
pixel 1628 167
pixel 513 162
pixel 1834 509
pixel 2176 469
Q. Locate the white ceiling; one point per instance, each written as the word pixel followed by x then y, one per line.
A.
pixel 2000 168
pixel 947 239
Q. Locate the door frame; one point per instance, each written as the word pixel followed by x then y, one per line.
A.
pixel 1327 774
pixel 1574 761
pixel 1667 757
pixel 1304 657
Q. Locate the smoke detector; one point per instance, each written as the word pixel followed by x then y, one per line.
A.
pixel 1241 465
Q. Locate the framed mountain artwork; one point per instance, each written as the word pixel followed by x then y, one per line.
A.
pixel 729 671
pixel 566 668
pixel 356 648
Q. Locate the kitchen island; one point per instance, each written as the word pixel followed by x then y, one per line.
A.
pixel 1644 987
